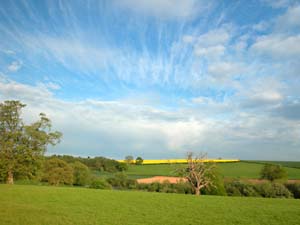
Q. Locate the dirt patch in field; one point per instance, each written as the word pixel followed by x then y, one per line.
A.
pixel 161 179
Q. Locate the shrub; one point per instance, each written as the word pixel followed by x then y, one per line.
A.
pixel 273 172
pixel 81 174
pixel 294 189
pixel 99 183
pixel 166 187
pixel 121 181
pixel 57 172
pixel 238 188
pixel 218 185
pixel 273 190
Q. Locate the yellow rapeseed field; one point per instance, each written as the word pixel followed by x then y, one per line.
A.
pixel 173 161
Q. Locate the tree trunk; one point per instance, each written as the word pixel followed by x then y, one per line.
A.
pixel 197 191
pixel 10 177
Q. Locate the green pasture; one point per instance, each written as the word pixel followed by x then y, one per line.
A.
pixel 228 170
pixel 291 164
pixel 66 205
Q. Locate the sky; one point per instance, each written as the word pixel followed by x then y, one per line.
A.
pixel 157 78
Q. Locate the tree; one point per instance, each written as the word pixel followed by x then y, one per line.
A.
pixel 199 174
pixel 57 171
pixel 22 146
pixel 139 161
pixel 129 159
pixel 81 173
pixel 273 172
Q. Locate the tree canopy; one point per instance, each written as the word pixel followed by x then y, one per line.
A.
pixel 273 172
pixel 22 146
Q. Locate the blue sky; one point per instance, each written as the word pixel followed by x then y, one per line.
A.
pixel 158 78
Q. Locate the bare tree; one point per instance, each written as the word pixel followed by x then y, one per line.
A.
pixel 199 172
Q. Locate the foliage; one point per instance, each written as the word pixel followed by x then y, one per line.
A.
pixel 294 188
pixel 273 172
pixel 57 172
pixel 239 188
pixel 129 159
pixel 96 163
pixel 273 190
pixel 218 187
pixel 25 204
pixel 81 173
pixel 99 183
pixel 22 146
pixel 121 181
pixel 166 187
pixel 139 160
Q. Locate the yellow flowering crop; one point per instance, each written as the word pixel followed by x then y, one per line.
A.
pixel 173 161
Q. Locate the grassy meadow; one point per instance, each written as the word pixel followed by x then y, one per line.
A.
pixel 228 170
pixel 66 205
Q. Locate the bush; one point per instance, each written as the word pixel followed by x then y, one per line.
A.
pixel 57 172
pixel 238 188
pixel 273 190
pixel 99 183
pixel 273 172
pixel 166 187
pixel 218 185
pixel 294 189
pixel 81 174
pixel 121 181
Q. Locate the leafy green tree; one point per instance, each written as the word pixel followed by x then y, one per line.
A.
pixel 22 146
pixel 57 171
pixel 81 174
pixel 273 172
pixel 139 161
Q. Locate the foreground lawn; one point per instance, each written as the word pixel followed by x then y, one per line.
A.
pixel 62 205
pixel 228 170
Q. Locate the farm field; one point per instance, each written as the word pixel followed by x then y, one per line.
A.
pixel 65 205
pixel 228 170
pixel 291 164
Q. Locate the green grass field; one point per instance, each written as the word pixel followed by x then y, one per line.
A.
pixel 62 205
pixel 228 170
pixel 291 164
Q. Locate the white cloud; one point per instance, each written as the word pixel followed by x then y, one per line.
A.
pixel 289 20
pixel 278 46
pixel 211 44
pixel 224 69
pixel 15 66
pixel 214 37
pixel 210 52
